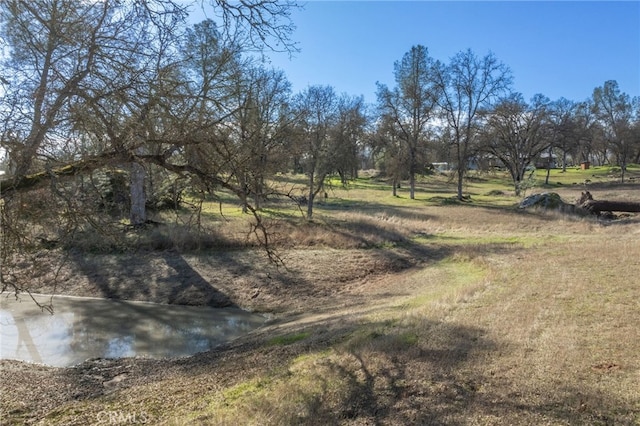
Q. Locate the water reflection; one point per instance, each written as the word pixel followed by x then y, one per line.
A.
pixel 84 328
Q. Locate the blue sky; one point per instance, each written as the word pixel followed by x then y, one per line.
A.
pixel 559 48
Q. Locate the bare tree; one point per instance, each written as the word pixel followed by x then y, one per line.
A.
pixel 317 111
pixel 260 127
pixel 83 54
pixel 394 156
pixel 59 48
pixel 347 135
pixel 565 132
pixel 100 84
pixel 411 105
pixel 255 24
pixel 468 85
pixel 588 131
pixel 615 112
pixel 515 133
pixel 635 129
pixel 55 47
pixel 327 131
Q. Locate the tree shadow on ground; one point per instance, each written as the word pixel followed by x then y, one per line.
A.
pixel 161 277
pixel 382 374
pixel 379 374
pixel 389 374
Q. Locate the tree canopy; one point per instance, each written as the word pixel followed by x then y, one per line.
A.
pixel 122 106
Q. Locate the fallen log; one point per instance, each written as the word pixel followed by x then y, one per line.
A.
pixel 584 205
pixel 596 207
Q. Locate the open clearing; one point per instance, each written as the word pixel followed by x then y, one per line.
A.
pixel 390 311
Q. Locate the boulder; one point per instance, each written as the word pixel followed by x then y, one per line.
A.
pixel 545 200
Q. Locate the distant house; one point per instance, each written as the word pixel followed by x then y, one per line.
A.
pixel 545 160
pixel 441 167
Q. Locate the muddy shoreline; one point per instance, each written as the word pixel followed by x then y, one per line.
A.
pixel 309 286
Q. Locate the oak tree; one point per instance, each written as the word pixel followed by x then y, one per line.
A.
pixel 516 132
pixel 468 85
pixel 615 112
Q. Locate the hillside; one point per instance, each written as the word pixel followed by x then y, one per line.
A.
pixel 387 311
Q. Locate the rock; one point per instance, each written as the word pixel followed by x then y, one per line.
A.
pixel 545 200
pixel 114 381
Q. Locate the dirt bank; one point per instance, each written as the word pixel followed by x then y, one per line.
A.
pixel 313 284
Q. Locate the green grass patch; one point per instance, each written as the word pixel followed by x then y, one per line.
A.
pixel 446 282
pixel 462 239
pixel 408 338
pixel 298 394
pixel 334 183
pixel 244 389
pixel 288 339
pixel 576 176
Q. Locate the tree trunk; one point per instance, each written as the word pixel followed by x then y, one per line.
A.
pixel 460 181
pixel 413 166
pixel 517 179
pixel 598 206
pixel 546 179
pixel 259 195
pixel 395 186
pixel 412 185
pixel 138 212
pixel 242 181
pixel 549 159
pixel 461 160
pixel 311 196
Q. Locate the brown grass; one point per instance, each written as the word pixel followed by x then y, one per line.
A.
pixel 414 313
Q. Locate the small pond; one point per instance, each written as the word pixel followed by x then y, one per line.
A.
pixel 83 328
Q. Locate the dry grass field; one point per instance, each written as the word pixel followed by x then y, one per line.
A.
pixel 388 311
